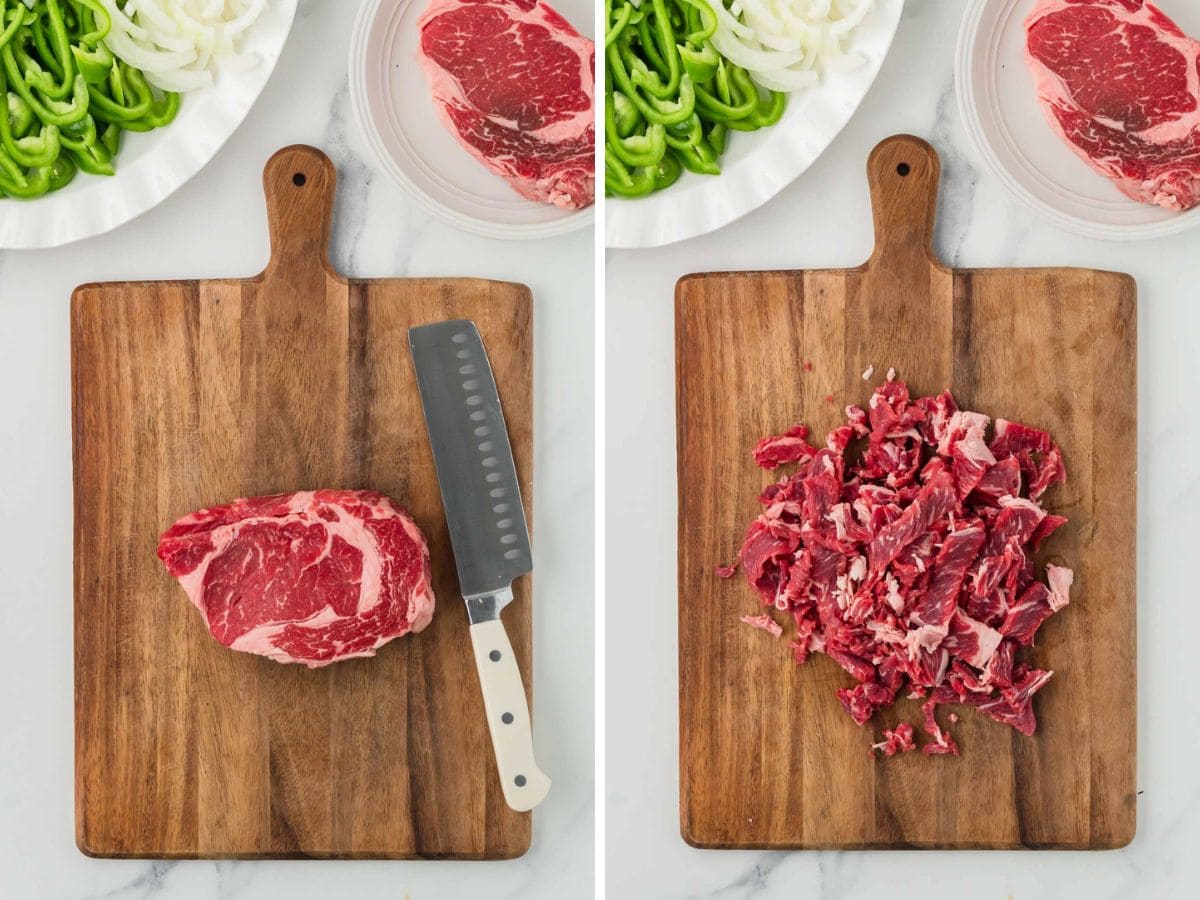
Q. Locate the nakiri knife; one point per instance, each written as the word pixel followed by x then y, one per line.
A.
pixel 483 507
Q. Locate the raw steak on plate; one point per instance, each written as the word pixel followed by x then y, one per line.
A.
pixel 513 82
pixel 1120 83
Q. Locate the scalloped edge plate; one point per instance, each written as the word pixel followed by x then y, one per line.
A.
pixel 1005 124
pixel 757 166
pixel 392 102
pixel 151 166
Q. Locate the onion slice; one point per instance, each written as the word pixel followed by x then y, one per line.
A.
pixel 786 45
pixel 182 45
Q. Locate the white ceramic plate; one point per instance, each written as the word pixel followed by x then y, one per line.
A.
pixel 153 165
pixel 758 165
pixel 1006 125
pixel 391 98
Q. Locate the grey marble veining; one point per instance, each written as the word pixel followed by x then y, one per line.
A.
pixel 823 220
pixel 215 226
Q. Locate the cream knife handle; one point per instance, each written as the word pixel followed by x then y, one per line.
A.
pixel 523 783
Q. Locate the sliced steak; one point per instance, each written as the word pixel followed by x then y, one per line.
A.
pixel 904 551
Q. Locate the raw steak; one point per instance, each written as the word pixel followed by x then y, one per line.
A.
pixel 312 577
pixel 1120 82
pixel 513 82
pixel 911 565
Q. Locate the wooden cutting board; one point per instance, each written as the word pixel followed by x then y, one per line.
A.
pixel 191 393
pixel 768 757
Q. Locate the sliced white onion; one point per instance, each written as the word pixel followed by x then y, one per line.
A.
pixel 786 45
pixel 182 45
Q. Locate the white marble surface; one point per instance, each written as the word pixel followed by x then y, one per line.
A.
pixel 823 220
pixel 216 226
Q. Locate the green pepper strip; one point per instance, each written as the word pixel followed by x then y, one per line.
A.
pixel 636 150
pixel 700 65
pixel 649 45
pixel 667 60
pixel 94 63
pixel 111 138
pixel 59 60
pixel 655 110
pixel 717 136
pixel 92 13
pixel 698 11
pixel 62 173
pixel 80 135
pixel 627 116
pixel 641 149
pixel 17 20
pixel 126 82
pixel 38 78
pixel 725 113
pixel 615 28
pixel 20 116
pixel 29 151
pixel 94 159
pixel 52 112
pixel 620 181
pixel 768 111
pixel 23 186
pixel 162 112
pixel 37 32
pixel 668 172
pixel 693 150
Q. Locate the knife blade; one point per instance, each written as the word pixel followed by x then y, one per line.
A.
pixel 482 500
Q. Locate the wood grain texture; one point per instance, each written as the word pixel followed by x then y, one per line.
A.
pixel 187 394
pixel 768 757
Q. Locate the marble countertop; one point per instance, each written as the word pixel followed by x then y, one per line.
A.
pixel 823 220
pixel 216 226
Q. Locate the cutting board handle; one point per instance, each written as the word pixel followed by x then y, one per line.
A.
pixel 299 182
pixel 903 172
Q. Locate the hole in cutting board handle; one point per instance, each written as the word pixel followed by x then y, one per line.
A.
pixel 903 169
pixel 299 179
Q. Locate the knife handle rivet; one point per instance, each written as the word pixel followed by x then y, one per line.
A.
pixel 494 656
pixel 507 718
pixel 460 338
pixel 520 780
pixel 463 354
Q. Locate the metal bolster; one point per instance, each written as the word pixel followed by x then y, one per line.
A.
pixel 486 607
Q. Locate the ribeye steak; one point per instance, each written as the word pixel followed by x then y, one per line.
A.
pixel 311 577
pixel 513 82
pixel 1120 82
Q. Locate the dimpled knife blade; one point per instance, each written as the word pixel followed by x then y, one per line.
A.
pixel 473 456
pixel 487 528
